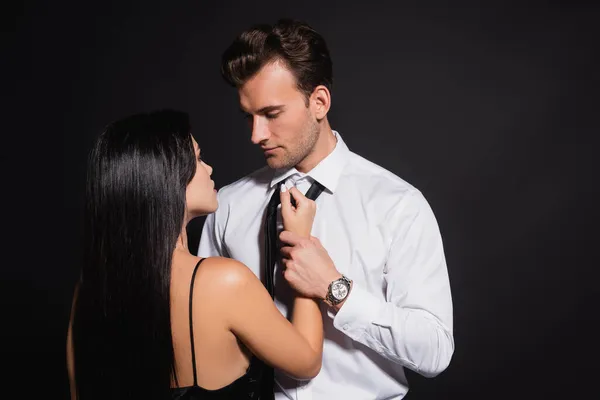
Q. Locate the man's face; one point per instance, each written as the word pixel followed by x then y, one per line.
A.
pixel 282 124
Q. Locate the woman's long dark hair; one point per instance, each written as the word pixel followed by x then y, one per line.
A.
pixel 138 172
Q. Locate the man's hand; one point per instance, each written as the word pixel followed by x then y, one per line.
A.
pixel 308 267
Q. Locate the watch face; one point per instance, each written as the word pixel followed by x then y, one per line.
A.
pixel 339 291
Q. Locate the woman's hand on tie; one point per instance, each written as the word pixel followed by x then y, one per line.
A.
pixel 297 219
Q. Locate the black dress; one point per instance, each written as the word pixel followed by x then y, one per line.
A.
pixel 246 387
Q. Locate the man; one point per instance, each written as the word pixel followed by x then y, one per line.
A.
pixel 378 264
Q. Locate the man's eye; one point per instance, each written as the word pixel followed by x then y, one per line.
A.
pixel 272 116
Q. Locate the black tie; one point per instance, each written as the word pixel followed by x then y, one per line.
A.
pixel 270 256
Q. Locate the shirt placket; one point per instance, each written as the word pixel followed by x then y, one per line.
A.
pixel 303 390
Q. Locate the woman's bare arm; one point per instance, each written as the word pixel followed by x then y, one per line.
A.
pixel 295 347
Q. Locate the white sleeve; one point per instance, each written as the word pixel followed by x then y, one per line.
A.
pixel 414 325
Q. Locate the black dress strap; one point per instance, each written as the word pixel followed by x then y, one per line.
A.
pixel 191 324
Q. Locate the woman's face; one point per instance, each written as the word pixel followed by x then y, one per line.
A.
pixel 201 196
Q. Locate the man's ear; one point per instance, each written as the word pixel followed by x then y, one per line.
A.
pixel 320 102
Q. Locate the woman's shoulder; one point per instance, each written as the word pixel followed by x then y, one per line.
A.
pixel 224 273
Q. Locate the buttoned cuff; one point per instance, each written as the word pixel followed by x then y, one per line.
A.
pixel 357 312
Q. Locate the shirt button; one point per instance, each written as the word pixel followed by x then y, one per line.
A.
pixel 346 327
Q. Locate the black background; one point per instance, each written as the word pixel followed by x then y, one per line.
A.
pixel 488 108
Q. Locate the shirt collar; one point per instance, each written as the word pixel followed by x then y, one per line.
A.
pixel 327 172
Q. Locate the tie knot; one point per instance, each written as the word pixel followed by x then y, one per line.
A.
pixel 314 190
pixel 312 193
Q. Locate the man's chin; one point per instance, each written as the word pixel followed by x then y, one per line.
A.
pixel 276 163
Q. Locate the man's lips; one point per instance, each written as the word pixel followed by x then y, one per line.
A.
pixel 268 150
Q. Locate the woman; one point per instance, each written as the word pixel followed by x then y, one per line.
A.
pixel 145 304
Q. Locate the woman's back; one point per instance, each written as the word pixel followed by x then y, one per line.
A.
pixel 224 367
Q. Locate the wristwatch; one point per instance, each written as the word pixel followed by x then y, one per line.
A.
pixel 338 291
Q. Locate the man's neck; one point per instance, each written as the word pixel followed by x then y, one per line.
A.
pixel 324 146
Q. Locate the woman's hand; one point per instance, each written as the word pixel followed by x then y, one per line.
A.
pixel 298 219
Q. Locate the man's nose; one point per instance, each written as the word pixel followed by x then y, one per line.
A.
pixel 260 130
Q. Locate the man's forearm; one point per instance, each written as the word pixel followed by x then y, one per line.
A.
pixel 412 337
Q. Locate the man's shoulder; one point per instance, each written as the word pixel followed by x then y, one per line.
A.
pixel 383 189
pixel 256 180
pixel 375 176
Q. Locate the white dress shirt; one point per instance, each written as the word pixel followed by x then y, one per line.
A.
pixel 380 232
